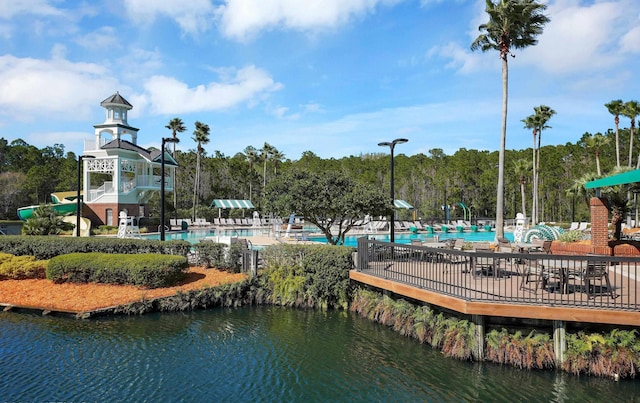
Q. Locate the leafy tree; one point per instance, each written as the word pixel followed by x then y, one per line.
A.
pixel 10 183
pixel 329 200
pixel 200 136
pixel 615 108
pixel 45 221
pixel 512 24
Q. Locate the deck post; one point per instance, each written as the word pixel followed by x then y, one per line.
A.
pixel 478 321
pixel 559 340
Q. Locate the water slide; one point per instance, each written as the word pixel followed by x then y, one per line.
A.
pixel 63 203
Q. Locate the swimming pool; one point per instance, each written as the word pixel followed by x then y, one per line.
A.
pixel 405 238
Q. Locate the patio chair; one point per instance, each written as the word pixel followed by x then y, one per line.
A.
pixel 596 271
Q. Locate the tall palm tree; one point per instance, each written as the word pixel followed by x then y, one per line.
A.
pixel 522 169
pixel 200 136
pixel 265 152
pixel 513 24
pixel 532 122
pixel 596 142
pixel 276 156
pixel 631 110
pixel 176 125
pixel 251 154
pixel 543 113
pixel 615 108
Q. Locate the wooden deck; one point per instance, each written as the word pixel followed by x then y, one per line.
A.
pixel 498 285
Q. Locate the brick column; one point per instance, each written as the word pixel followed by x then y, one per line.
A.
pixel 599 222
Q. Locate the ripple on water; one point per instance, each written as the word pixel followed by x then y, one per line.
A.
pixel 256 354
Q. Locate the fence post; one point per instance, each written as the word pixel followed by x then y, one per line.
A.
pixel 559 340
pixel 478 321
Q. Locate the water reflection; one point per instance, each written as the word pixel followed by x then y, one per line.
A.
pixel 257 354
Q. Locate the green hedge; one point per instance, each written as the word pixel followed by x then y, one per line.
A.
pixel 219 255
pixel 46 247
pixel 147 270
pixel 307 275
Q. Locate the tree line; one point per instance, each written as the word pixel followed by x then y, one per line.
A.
pixel 428 182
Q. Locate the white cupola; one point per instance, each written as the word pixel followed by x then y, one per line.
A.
pixel 115 123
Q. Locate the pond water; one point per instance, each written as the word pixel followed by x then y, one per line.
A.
pixel 263 354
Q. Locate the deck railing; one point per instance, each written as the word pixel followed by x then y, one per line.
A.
pixel 598 282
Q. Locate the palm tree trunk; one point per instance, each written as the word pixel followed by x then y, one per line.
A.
pixel 195 186
pixel 503 141
pixel 631 144
pixel 617 121
pixel 522 197
pixel 534 186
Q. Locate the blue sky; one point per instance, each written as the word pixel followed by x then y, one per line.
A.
pixel 334 77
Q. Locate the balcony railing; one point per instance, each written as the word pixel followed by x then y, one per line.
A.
pixel 598 282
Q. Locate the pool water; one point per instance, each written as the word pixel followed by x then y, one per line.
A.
pixel 404 238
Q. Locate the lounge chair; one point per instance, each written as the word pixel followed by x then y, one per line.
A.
pixel 574 226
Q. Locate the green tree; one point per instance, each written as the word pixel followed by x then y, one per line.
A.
pixel 176 125
pixel 265 153
pixel 631 110
pixel 251 155
pixel 200 136
pixel 45 221
pixel 522 168
pixel 330 200
pixel 543 113
pixel 513 24
pixel 615 108
pixel 596 142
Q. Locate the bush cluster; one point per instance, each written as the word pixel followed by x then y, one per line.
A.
pixel 146 270
pixel 21 267
pixel 219 255
pixel 571 236
pixel 46 247
pixel 315 276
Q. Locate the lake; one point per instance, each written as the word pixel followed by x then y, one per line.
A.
pixel 257 354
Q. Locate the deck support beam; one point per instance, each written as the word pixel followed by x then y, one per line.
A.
pixel 478 321
pixel 559 340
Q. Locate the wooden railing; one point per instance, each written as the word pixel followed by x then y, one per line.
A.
pixel 598 282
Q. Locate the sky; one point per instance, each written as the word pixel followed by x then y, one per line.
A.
pixel 334 77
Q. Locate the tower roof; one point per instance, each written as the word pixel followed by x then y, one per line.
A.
pixel 116 99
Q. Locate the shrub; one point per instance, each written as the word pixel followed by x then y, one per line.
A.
pixel 146 270
pixel 219 255
pixel 51 246
pixel 571 236
pixel 21 267
pixel 307 275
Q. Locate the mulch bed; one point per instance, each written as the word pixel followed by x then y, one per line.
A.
pixel 68 297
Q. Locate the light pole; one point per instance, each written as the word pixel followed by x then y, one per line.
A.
pixel 79 196
pixel 391 146
pixel 162 151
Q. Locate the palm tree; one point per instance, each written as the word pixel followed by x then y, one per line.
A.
pixel 277 157
pixel 615 108
pixel 596 142
pixel 176 125
pixel 513 24
pixel 532 122
pixel 522 168
pixel 265 152
pixel 200 136
pixel 543 113
pixel 251 154
pixel 631 110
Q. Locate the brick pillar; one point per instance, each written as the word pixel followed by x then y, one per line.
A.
pixel 599 222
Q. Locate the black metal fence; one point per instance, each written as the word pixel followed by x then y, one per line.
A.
pixel 602 282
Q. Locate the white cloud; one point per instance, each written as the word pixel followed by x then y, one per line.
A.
pixel 167 95
pixel 193 16
pixel 11 8
pixel 241 19
pixel 630 42
pixel 33 87
pixel 100 39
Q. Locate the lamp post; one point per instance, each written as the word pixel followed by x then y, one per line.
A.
pixel 391 146
pixel 79 196
pixel 162 151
